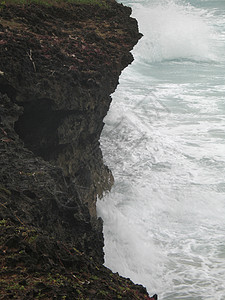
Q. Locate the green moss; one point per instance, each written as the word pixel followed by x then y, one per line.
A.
pixel 57 279
pixel 15 287
pixel 3 269
pixel 101 3
pixel 102 293
pixel 21 228
pixel 94 277
pixel 40 295
pixel 32 239
pixel 3 222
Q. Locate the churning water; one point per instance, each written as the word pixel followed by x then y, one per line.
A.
pixel 164 140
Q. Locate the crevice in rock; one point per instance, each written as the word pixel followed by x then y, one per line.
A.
pixel 8 90
pixel 38 125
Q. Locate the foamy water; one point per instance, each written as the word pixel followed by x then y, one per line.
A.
pixel 164 140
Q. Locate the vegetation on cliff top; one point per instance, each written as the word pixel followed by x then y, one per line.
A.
pixel 101 3
pixel 35 266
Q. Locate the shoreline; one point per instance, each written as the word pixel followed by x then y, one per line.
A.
pixel 58 68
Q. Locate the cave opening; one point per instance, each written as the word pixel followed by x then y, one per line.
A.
pixel 7 89
pixel 37 127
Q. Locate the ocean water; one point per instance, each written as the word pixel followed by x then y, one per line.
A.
pixel 164 140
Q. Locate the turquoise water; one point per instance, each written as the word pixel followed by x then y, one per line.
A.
pixel 164 140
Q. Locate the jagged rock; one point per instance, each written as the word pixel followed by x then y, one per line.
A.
pixel 58 67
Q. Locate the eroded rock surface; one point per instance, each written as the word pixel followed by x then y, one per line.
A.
pixel 58 67
pixel 61 65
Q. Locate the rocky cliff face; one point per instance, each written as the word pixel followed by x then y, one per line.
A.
pixel 61 65
pixel 58 67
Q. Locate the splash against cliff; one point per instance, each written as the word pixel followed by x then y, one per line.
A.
pixel 58 67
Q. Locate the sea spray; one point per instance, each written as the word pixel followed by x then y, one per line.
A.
pixel 173 30
pixel 164 141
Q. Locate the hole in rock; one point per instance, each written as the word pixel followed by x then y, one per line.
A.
pixel 37 127
pixel 8 90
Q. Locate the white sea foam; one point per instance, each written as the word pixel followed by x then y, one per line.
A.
pixel 164 141
pixel 173 30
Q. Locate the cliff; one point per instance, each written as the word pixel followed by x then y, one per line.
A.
pixel 59 64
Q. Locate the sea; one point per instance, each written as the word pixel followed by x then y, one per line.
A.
pixel 164 140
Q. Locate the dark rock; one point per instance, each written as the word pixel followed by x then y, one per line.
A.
pixel 58 67
pixel 23 282
pixel 12 241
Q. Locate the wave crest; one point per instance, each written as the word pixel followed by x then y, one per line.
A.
pixel 173 31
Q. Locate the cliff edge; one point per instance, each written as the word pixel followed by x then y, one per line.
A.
pixel 59 64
